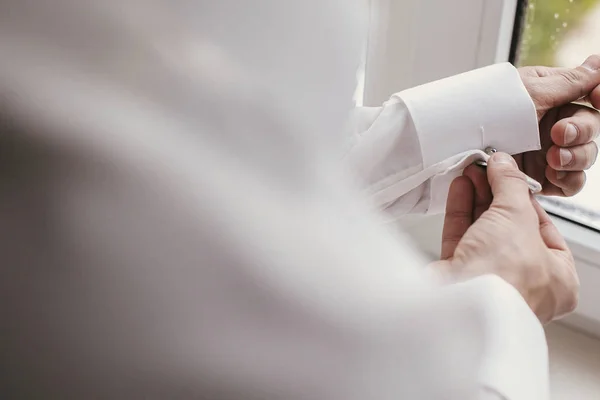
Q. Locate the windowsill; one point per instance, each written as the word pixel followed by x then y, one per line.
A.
pixel 572 211
pixel 574 364
pixel 584 244
pixel 583 241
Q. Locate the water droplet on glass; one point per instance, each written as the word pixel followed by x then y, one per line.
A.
pixel 565 24
pixel 556 16
pixel 570 1
pixel 552 37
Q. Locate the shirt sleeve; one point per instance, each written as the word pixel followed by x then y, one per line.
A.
pixel 167 235
pixel 514 362
pixel 407 152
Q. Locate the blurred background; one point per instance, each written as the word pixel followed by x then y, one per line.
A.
pixel 563 33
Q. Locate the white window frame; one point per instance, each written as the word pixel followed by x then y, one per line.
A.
pixel 416 41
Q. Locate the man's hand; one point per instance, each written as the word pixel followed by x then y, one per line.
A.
pixel 567 130
pixel 498 228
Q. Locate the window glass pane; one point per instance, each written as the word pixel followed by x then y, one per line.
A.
pixel 564 33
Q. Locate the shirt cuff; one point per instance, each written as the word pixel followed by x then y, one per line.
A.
pixel 514 362
pixel 488 107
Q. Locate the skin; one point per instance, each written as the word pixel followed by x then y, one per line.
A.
pixel 567 130
pixel 494 226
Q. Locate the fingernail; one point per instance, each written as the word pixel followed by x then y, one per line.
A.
pixel 503 158
pixel 565 157
pixel 592 64
pixel 560 175
pixel 570 134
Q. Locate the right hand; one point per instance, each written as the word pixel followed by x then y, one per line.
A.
pixel 499 228
pixel 567 130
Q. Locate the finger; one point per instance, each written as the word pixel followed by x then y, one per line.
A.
pixel 550 234
pixel 576 158
pixel 564 184
pixel 483 191
pixel 508 184
pixel 571 85
pixel 459 215
pixel 594 97
pixel 580 127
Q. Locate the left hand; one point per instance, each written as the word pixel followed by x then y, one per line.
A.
pixel 494 226
pixel 567 130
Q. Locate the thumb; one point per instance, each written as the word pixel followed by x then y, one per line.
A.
pixel 570 85
pixel 507 182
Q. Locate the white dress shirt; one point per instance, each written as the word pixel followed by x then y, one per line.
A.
pixel 177 222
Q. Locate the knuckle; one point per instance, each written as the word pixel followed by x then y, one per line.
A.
pixel 545 225
pixel 594 59
pixel 587 125
pixel 571 284
pixel 572 301
pixel 574 184
pixel 575 78
pixel 572 76
pixel 593 153
pixel 595 98
pixel 590 154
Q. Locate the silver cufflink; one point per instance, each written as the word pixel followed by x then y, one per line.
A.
pixel 534 186
pixel 489 151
